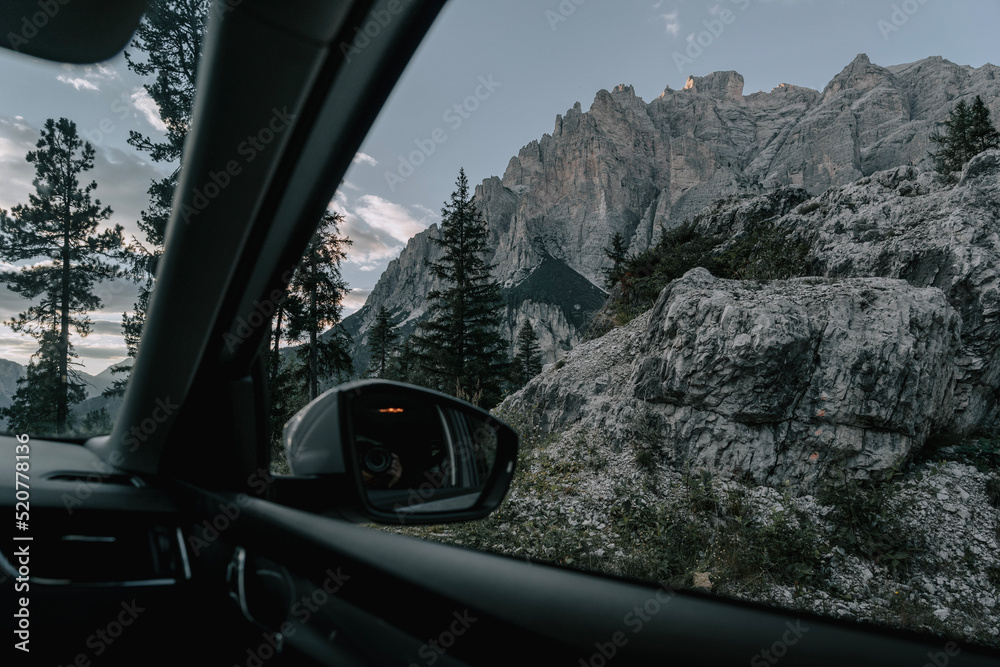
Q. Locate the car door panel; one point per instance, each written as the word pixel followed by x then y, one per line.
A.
pixel 106 571
pixel 545 614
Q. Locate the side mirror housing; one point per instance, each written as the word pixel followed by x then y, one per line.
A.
pixel 376 450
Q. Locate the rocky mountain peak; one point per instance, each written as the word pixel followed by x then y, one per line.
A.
pixel 858 77
pixel 636 168
pixel 724 85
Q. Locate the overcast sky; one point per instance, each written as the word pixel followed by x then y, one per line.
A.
pixel 527 60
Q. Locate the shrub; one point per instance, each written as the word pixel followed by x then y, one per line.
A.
pixel 644 276
pixel 764 252
pixel 981 451
pixel 866 523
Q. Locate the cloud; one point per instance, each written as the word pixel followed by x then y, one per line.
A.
pixel 78 83
pixel 87 77
pixel 123 179
pixel 393 219
pixel 145 105
pixel 16 139
pixel 427 213
pixel 18 350
pixel 672 22
pixel 116 352
pixel 122 176
pixel 378 228
pixel 369 249
pixel 106 328
pixel 354 300
pixel 364 158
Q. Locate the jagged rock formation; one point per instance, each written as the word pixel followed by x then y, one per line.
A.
pixel 770 382
pixel 634 167
pixel 897 338
pixel 904 224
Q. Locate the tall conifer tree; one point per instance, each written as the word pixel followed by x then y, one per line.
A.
pixel 618 254
pixel 58 232
pixel 459 348
pixel 317 291
pixel 968 132
pixel 381 341
pixel 528 356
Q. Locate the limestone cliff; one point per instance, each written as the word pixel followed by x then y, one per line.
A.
pixel 636 167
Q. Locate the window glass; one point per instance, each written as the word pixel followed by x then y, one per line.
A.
pixel 707 259
pixel 100 146
pixel 726 267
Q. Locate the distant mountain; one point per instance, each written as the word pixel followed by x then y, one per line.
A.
pixel 637 167
pixel 10 372
pixel 94 385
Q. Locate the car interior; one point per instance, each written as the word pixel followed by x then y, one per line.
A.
pixel 169 539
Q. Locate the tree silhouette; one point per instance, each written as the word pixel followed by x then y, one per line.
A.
pixel 33 408
pixel 315 304
pixel 459 349
pixel 381 340
pixel 58 232
pixel 169 40
pixel 618 254
pixel 528 357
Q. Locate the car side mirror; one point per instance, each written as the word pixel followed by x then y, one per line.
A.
pixel 395 453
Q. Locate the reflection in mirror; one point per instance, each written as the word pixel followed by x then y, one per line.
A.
pixel 416 455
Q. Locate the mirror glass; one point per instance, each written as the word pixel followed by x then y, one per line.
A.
pixel 416 455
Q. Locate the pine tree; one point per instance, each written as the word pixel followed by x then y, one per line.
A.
pixel 528 358
pixel 59 226
pixel 618 254
pixel 287 393
pixel 33 408
pixel 381 338
pixel 459 349
pixel 169 40
pixel 968 132
pixel 402 365
pixel 982 134
pixel 312 302
pixel 318 289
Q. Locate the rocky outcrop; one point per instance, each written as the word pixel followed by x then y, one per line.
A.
pixel 905 224
pixel 775 382
pixel 634 168
pixel 896 339
pixel 724 85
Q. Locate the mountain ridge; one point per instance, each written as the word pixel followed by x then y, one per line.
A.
pixel 636 168
pixel 11 371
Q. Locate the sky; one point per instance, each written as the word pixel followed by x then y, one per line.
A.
pixel 489 78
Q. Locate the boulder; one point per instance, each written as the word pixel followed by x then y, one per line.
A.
pixel 788 381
